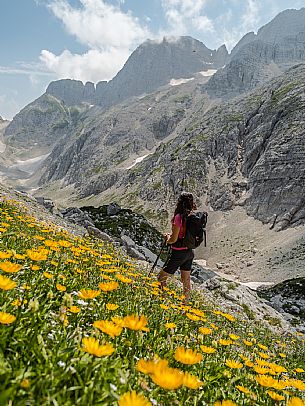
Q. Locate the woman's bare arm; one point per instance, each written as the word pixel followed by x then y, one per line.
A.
pixel 173 237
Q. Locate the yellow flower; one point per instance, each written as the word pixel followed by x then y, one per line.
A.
pixel 224 403
pixel 5 255
pixel 225 342
pixel 168 378
pixel 123 278
pixel 7 318
pixel 64 243
pixel 164 307
pixel 74 309
pixel 296 402
pixel 263 347
pixel 243 389
pixel 207 350
pixel 275 395
pixel 263 355
pixel 108 286
pixel 48 275
pixel 50 243
pixel 10 267
pixel 234 337
pixel 133 399
pixel 35 268
pixel 60 287
pixel 108 327
pixel 92 346
pixel 297 383
pixel 111 306
pixel 299 370
pixel 198 312
pixel 19 256
pixel 192 317
pixel 151 366
pixel 228 316
pixel 88 293
pixel 265 380
pixel 36 255
pixel 6 283
pixel 170 325
pixel 187 356
pixel 191 381
pixel 234 364
pixel 134 322
pixel 25 383
pixel 248 343
pixel 118 321
pixel 281 354
pixel 261 370
pixel 205 330
pixel 278 369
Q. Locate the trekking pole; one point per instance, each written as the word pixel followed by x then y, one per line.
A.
pixel 157 259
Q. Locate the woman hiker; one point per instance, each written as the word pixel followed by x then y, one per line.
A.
pixel 180 256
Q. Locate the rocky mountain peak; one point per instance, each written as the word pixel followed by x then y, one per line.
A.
pixel 287 23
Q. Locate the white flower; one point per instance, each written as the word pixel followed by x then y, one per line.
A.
pixel 82 302
pixel 61 364
pixel 113 387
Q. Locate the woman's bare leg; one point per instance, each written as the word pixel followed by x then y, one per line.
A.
pixel 186 281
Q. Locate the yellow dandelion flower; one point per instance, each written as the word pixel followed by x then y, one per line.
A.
pixel 25 383
pixel 278 369
pixel 111 306
pixel 74 309
pixel 5 255
pixel 207 350
pixel 243 389
pixel 297 383
pixel 263 347
pixel 35 268
pixel 234 364
pixel 164 307
pixel 192 317
pixel 299 370
pixel 225 342
pixel 118 321
pixel 263 355
pixel 191 381
pixel 205 330
pixel 123 278
pixel 226 402
pixel 187 356
pixel 36 256
pixel 6 283
pixel 10 267
pixel 108 327
pixel 296 402
pixel 60 287
pixel 88 293
pixel 151 366
pixel 234 337
pixel 50 243
pixel 228 316
pixel 64 243
pixel 133 399
pixel 198 312
pixel 108 286
pixel 169 326
pixel 168 378
pixel 249 363
pixel 48 275
pixel 92 346
pixel 134 322
pixel 282 355
pixel 265 380
pixel 7 318
pixel 261 370
pixel 248 343
pixel 19 256
pixel 275 396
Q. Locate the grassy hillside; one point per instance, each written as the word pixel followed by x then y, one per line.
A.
pixel 80 324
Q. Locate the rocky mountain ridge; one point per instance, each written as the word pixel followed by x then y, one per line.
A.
pixel 152 65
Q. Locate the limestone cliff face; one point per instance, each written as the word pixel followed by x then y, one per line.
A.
pixel 151 65
pixel 256 59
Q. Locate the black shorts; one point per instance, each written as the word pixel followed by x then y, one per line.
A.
pixel 182 259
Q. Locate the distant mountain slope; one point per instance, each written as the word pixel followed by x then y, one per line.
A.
pixel 278 45
pixel 151 65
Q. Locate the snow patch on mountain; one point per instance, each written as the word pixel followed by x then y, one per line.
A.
pixel 177 82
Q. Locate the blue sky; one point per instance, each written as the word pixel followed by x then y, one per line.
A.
pixel 44 40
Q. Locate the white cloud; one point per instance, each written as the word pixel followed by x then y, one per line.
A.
pixel 93 66
pixel 182 15
pixel 109 33
pixel 251 16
